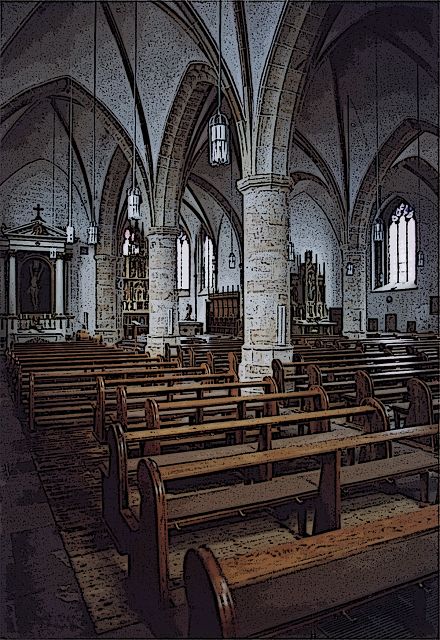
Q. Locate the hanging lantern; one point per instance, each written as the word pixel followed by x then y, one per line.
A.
pixel 378 230
pixel 218 124
pixel 420 259
pixel 92 234
pixel 232 258
pixel 134 203
pixel 70 234
pixel 349 269
pixel 218 140
pixel 291 251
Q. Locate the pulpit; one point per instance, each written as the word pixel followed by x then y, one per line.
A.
pixel 33 283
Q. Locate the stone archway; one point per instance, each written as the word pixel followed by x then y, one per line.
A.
pixel 108 262
pixel 190 99
pixel 406 133
pixel 283 84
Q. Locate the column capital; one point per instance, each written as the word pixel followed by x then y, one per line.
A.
pixel 265 181
pixel 163 231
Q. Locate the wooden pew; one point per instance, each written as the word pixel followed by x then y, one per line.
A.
pixel 126 407
pixel 149 525
pixel 163 413
pixel 338 389
pixel 67 398
pixel 366 387
pixel 287 585
pixel 420 408
pixel 116 492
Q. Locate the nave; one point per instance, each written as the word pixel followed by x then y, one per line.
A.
pixel 88 522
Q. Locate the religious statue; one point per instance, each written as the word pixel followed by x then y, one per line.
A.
pixel 188 312
pixel 35 271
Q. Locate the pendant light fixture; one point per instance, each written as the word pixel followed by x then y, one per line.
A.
pixel 378 225
pixel 420 254
pixel 70 231
pixel 378 230
pixel 232 258
pixel 134 193
pixel 92 231
pixel 218 125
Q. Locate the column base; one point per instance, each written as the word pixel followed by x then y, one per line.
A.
pixel 256 361
pixel 109 336
pixel 156 344
pixel 355 335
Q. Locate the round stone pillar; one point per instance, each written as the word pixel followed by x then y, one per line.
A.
pixel 59 285
pixel 108 297
pixel 162 285
pixel 2 283
pixel 354 292
pixel 12 284
pixel 266 292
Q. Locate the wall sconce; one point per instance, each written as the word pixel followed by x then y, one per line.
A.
pixel 349 269
pixel 420 259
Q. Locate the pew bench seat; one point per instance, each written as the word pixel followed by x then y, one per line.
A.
pixel 305 580
pixel 188 508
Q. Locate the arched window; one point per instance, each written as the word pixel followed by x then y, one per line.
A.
pixel 395 249
pixel 208 262
pixel 182 261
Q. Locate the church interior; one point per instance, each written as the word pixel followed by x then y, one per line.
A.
pixel 219 319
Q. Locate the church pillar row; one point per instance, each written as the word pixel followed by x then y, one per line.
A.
pixel 266 291
pixel 108 297
pixel 354 292
pixel 12 284
pixel 162 288
pixel 59 285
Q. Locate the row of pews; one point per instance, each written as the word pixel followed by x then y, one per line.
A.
pixel 224 494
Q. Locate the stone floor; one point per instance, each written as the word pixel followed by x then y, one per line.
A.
pixel 40 596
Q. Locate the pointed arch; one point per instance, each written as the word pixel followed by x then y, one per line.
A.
pixel 363 205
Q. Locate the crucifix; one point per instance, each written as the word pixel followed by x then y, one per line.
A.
pixel 38 209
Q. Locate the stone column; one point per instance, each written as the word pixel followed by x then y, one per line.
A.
pixel 354 290
pixel 108 297
pixel 266 274
pixel 163 301
pixel 2 283
pixel 59 285
pixel 12 289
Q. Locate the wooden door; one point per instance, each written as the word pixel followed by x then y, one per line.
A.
pixel 335 315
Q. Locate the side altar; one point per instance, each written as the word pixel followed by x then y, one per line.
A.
pixel 34 283
pixel 309 311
